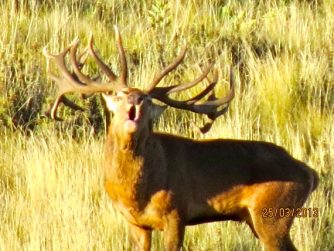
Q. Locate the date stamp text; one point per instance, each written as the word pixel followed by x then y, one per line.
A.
pixel 280 212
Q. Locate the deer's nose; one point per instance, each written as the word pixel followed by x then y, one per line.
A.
pixel 135 99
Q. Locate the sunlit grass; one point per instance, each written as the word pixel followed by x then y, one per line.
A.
pixel 51 183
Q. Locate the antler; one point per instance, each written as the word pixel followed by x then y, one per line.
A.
pixel 77 81
pixel 121 81
pixel 159 76
pixel 213 107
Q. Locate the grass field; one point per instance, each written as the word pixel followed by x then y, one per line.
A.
pixel 51 191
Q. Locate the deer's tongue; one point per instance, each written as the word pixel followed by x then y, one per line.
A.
pixel 130 126
pixel 131 123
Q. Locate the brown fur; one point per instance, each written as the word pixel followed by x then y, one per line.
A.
pixel 166 182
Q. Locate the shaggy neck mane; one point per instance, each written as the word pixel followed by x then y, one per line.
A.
pixel 125 155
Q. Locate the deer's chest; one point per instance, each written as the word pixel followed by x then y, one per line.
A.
pixel 147 212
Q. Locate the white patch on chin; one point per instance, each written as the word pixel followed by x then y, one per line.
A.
pixel 130 126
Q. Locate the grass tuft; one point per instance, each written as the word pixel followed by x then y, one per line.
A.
pixel 51 190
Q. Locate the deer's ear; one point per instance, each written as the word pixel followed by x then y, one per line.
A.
pixel 110 102
pixel 157 110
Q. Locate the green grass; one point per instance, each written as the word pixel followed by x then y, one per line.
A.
pixel 51 191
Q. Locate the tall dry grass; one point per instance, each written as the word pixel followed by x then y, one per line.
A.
pixel 51 192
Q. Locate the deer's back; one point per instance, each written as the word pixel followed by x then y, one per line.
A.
pixel 227 163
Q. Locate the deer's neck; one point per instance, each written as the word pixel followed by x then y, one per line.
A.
pixel 127 157
pixel 131 173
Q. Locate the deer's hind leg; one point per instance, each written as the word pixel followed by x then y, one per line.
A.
pixel 268 216
pixel 273 233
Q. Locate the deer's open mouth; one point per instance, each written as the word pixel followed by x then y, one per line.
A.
pixel 132 113
pixel 131 124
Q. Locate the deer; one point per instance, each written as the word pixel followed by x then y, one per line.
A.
pixel 165 182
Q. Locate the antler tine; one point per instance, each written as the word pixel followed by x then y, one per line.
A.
pixel 227 98
pixel 183 87
pixel 76 66
pixel 211 106
pixel 83 57
pixel 206 91
pixel 106 70
pixel 120 82
pixel 158 91
pixel 60 61
pixel 124 66
pixel 52 111
pixel 213 116
pixel 158 77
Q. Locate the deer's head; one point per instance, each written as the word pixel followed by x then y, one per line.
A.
pixel 133 109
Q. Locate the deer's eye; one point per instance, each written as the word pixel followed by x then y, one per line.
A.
pixel 141 99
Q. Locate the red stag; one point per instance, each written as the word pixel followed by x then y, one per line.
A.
pixel 166 182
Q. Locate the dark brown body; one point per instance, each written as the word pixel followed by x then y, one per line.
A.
pixel 168 182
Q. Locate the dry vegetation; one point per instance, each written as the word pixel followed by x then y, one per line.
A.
pixel 51 193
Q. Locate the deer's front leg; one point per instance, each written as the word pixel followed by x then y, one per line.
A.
pixel 173 233
pixel 141 238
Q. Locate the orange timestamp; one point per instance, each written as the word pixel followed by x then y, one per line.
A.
pixel 281 212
